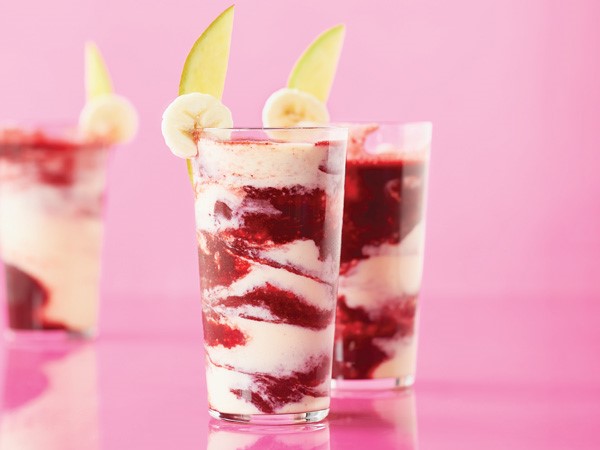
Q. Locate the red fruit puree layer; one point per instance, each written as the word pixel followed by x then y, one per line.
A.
pixel 284 306
pixel 45 159
pixel 27 298
pixel 269 393
pixel 382 205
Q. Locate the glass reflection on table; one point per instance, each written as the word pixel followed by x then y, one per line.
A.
pixel 230 436
pixel 385 419
pixel 49 396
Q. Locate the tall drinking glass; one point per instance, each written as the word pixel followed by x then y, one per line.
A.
pixel 382 255
pixel 269 215
pixel 51 198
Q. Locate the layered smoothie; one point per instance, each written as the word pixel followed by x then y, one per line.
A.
pixel 52 181
pixel 268 216
pixel 51 196
pixel 268 210
pixel 382 253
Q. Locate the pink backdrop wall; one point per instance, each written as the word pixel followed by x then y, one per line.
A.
pixel 511 86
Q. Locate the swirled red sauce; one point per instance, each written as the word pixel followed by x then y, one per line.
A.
pixel 26 298
pixel 269 392
pixel 283 307
pixel 43 158
pixel 357 331
pixel 383 203
pixel 216 332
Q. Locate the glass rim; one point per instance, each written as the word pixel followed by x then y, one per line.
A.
pixel 319 128
pixel 413 123
pixel 56 131
pixel 338 125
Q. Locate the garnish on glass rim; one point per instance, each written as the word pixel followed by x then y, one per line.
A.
pixel 302 102
pixel 106 116
pixel 200 89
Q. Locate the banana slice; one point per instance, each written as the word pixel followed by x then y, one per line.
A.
pixel 289 107
pixel 186 116
pixel 109 117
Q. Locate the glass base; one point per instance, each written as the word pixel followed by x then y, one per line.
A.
pixel 374 383
pixel 32 336
pixel 272 419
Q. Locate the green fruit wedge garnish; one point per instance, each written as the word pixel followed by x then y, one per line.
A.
pixel 315 70
pixel 97 78
pixel 206 65
pixel 205 68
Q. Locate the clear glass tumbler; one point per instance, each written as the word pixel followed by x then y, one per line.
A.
pixel 268 216
pixel 51 201
pixel 382 255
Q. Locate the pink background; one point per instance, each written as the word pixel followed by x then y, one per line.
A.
pixel 512 276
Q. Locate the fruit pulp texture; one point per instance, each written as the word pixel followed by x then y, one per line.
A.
pixel 380 271
pixel 269 227
pixel 51 195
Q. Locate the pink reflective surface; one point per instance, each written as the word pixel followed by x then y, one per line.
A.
pixel 509 339
pixel 141 386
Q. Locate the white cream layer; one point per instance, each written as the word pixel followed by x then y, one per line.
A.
pixel 403 357
pixel 303 255
pixel 41 235
pixel 54 233
pixel 276 348
pixel 207 195
pixel 262 164
pixel 389 272
pixel 313 292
